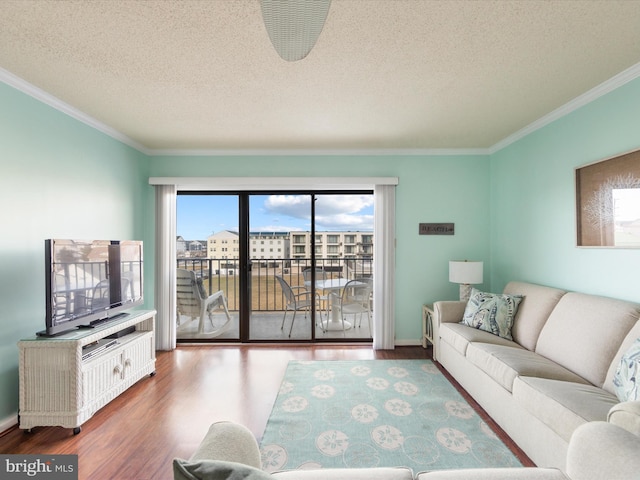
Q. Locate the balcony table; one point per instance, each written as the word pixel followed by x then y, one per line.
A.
pixel 334 322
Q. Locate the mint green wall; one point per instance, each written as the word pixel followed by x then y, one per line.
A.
pixel 533 214
pixel 513 210
pixel 431 189
pixel 64 179
pixel 60 178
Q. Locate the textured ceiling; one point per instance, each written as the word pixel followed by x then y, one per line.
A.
pixel 396 74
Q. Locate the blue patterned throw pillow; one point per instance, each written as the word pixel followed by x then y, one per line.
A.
pixel 626 379
pixel 491 312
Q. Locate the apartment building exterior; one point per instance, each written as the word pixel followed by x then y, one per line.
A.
pixel 190 249
pixel 269 245
pixel 333 245
pixel 225 245
pixel 262 245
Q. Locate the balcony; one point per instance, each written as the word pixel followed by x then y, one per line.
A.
pixel 267 300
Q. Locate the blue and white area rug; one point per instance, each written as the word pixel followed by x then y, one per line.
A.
pixel 370 413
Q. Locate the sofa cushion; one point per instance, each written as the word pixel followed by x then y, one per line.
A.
pixel 504 364
pixel 215 470
pixel 459 336
pixel 491 312
pixel 562 406
pixel 533 312
pixel 379 473
pixel 584 333
pixel 626 378
pixel 494 474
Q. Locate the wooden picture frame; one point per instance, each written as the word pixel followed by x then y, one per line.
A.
pixel 608 202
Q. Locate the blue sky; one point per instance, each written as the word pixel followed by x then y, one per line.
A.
pixel 199 216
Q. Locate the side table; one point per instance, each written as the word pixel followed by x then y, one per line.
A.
pixel 427 327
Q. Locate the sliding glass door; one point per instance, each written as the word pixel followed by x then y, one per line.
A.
pixel 208 246
pixel 281 309
pixel 282 261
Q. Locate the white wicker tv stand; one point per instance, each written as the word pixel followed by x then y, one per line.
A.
pixel 59 388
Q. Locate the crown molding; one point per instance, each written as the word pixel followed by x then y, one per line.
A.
pixel 54 102
pixel 405 152
pixel 605 87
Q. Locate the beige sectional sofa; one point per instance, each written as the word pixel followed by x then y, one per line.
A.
pixel 554 376
pixel 597 451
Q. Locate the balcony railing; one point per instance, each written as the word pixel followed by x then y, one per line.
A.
pixel 266 295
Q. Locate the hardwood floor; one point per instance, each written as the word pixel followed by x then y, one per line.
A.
pixel 165 416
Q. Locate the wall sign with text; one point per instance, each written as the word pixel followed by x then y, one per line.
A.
pixel 436 229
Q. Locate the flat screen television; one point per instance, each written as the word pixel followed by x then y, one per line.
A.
pixel 89 282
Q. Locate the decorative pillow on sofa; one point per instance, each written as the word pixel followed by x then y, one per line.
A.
pixel 492 312
pixel 215 470
pixel 625 380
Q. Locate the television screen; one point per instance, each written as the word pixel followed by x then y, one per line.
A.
pixel 90 281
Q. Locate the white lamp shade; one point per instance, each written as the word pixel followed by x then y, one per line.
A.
pixel 464 272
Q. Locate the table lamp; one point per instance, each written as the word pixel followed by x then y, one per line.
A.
pixel 465 273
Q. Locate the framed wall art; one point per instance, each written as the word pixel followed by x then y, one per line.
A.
pixel 608 202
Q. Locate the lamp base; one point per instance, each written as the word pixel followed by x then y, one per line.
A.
pixel 465 292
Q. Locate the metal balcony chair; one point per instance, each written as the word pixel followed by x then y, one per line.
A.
pixel 355 299
pixel 193 301
pixel 323 299
pixel 297 298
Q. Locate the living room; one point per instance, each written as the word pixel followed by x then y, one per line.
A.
pixel 513 202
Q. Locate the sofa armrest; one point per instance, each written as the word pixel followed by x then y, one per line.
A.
pixel 448 311
pixel 230 442
pixel 626 415
pixel 599 450
pixel 445 311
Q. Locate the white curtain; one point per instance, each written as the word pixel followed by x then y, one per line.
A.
pixel 165 267
pixel 384 254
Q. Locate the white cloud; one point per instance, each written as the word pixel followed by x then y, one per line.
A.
pixel 337 204
pixel 333 212
pixel 296 206
pixel 344 222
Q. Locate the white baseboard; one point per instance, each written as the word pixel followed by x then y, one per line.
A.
pixel 408 343
pixel 7 423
